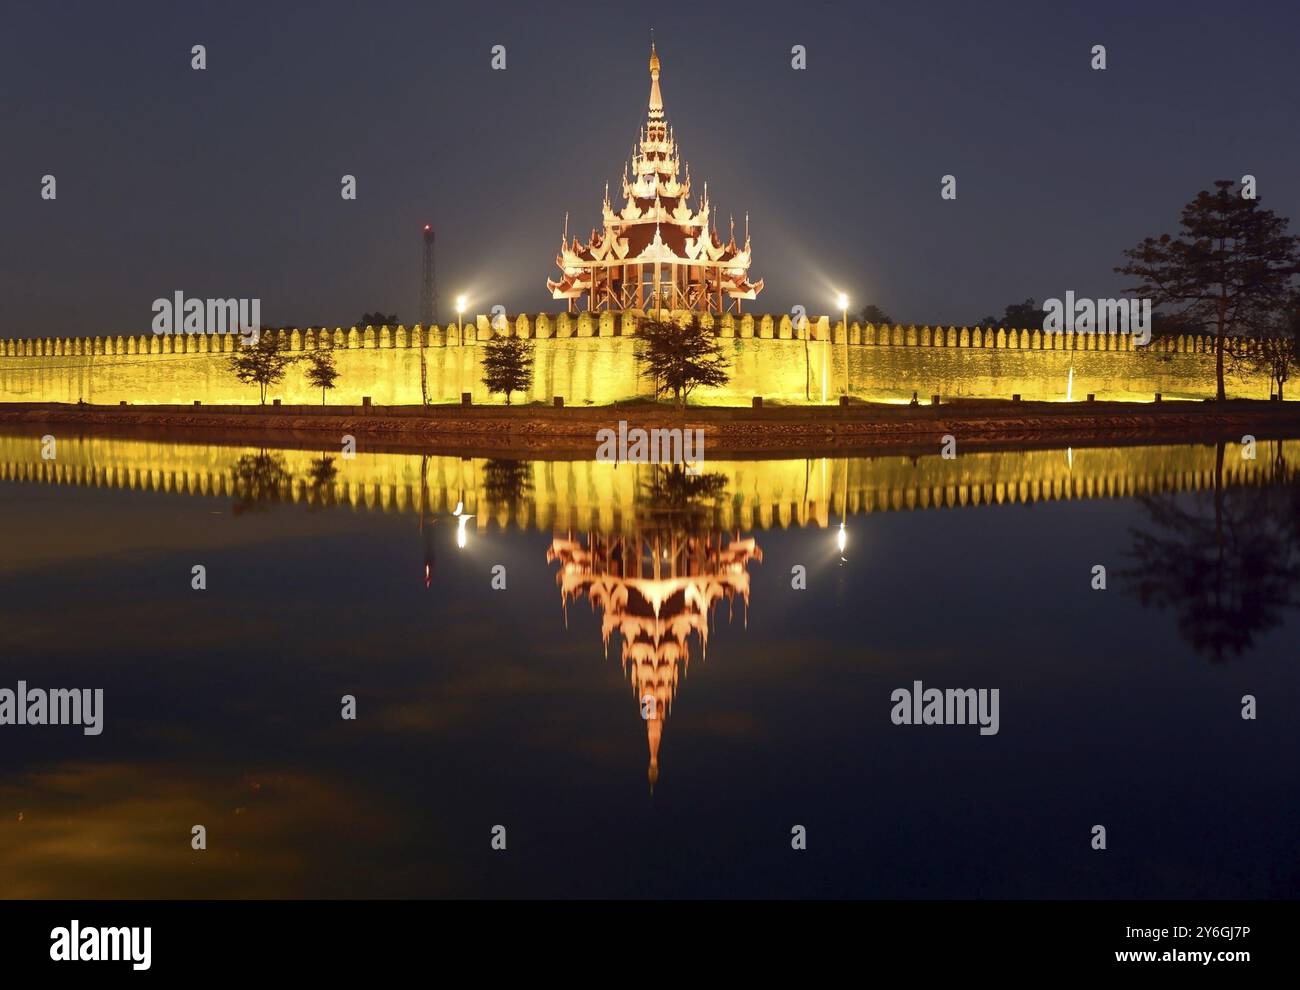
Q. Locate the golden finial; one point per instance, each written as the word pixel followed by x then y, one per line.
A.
pixel 654 59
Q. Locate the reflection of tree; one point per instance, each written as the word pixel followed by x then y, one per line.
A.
pixel 506 482
pixel 258 479
pixel 1226 562
pixel 673 493
pixel 321 477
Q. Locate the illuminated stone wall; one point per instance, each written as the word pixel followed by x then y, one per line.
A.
pixel 590 358
pixel 591 495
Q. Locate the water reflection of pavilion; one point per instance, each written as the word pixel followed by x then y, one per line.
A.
pixel 655 588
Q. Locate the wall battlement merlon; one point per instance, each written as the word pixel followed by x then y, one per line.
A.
pixel 544 326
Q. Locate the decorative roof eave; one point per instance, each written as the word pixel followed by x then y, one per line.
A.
pixel 675 189
pixel 679 215
pixel 657 250
pixel 683 214
pixel 616 246
pixel 746 290
pixel 560 290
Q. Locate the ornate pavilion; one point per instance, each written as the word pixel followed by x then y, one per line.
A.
pixel 656 251
pixel 654 588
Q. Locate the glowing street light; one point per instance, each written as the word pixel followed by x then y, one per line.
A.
pixel 842 539
pixel 460 326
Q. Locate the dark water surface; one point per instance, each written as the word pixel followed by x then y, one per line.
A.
pixel 479 707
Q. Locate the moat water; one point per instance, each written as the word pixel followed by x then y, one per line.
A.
pixel 500 658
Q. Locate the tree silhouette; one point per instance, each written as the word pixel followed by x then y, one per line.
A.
pixel 1230 268
pixel 505 482
pixel 874 314
pixel 1276 354
pixel 1276 351
pixel 1226 562
pixel 321 371
pixel 378 319
pixel 675 494
pixel 508 365
pixel 259 479
pixel 321 477
pixel 1027 315
pixel 681 356
pixel 263 364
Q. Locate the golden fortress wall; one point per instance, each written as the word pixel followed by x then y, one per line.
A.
pixel 590 358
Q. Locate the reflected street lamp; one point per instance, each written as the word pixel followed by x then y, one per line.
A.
pixel 461 519
pixel 842 537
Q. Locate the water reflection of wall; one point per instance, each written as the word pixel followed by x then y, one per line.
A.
pixel 657 589
pixel 586 495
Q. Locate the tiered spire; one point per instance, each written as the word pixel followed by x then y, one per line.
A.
pixel 655 225
pixel 656 98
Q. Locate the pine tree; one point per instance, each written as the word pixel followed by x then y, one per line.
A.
pixel 1229 268
pixel 508 365
pixel 321 371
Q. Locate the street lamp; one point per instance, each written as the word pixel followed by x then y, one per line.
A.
pixel 460 326
pixel 843 300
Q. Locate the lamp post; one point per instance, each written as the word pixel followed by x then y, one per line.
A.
pixel 843 300
pixel 460 325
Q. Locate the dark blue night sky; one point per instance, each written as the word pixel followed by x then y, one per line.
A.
pixel 226 182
